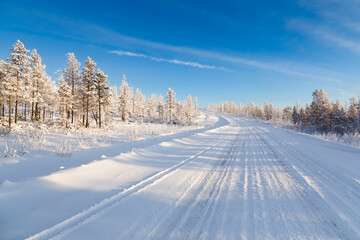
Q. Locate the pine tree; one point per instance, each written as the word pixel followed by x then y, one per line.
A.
pixel 160 109
pixel 170 105
pixel 320 110
pixel 189 110
pixel 8 84
pixel 125 98
pixel 65 98
pixel 354 114
pixel 88 88
pixel 338 120
pixel 19 61
pixel 196 106
pixel 268 111
pixel 39 80
pixel 151 107
pixel 73 78
pixel 287 114
pixel 102 91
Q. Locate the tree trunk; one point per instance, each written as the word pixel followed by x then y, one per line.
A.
pixel 72 116
pixel 32 111
pixel 25 113
pixel 99 115
pixel 16 105
pixel 44 114
pixel 36 112
pixel 10 111
pixel 66 119
pixel 87 113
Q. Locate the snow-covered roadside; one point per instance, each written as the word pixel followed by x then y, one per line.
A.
pixel 243 180
pixel 87 177
pixel 348 139
pixel 42 158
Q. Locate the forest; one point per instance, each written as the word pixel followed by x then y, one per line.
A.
pixel 79 97
pixel 321 116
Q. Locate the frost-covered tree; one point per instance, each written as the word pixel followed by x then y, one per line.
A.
pixel 65 99
pixel 20 67
pixel 320 110
pixel 151 107
pixel 268 111
pixel 88 88
pixel 338 118
pixel 3 97
pixel 160 109
pixel 8 82
pixel 139 105
pixel 73 78
pixel 287 114
pixel 102 92
pixel 189 110
pixel 196 106
pixel 296 115
pixel 125 98
pixel 170 105
pixel 353 114
pixel 39 80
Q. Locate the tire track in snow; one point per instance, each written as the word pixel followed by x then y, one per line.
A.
pixel 215 208
pixel 169 220
pixel 88 215
pixel 327 181
pixel 203 196
pixel 308 198
pixel 191 207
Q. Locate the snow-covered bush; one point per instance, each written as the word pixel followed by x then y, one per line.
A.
pixel 64 149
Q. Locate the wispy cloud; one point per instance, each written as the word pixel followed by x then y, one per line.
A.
pixel 95 34
pixel 323 32
pixel 174 61
pixel 337 22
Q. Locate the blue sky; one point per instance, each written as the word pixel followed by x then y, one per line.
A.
pixel 241 51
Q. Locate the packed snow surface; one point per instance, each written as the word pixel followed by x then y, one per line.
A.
pixel 239 179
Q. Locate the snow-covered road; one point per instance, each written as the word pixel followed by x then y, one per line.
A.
pixel 244 180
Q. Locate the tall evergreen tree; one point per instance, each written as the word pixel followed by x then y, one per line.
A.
pixel 19 61
pixel 39 80
pixel 125 99
pixel 8 84
pixel 73 78
pixel 88 88
pixel 102 92
pixel 170 105
pixel 65 98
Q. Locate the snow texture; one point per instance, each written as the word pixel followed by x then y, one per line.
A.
pixel 239 179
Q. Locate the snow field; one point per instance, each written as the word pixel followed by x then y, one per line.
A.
pixel 239 180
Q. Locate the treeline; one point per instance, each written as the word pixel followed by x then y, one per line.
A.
pixel 81 97
pixel 322 115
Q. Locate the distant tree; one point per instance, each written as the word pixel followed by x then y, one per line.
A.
pixel 160 109
pixel 102 92
pixel 287 114
pixel 268 111
pixel 125 99
pixel 170 104
pixel 151 107
pixel 39 80
pixel 320 110
pixel 88 88
pixel 73 79
pixel 65 98
pixel 338 118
